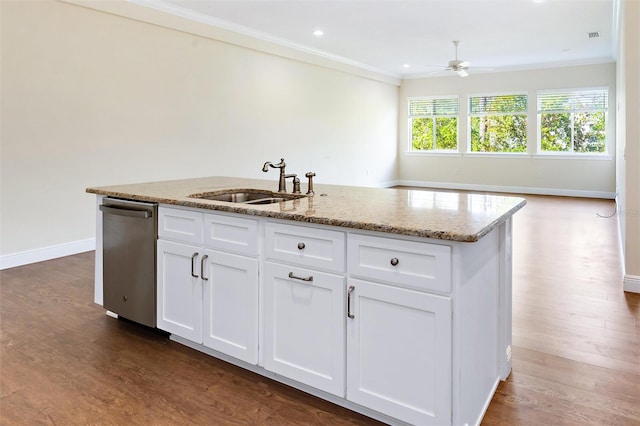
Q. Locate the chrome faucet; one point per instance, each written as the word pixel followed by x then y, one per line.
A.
pixel 282 183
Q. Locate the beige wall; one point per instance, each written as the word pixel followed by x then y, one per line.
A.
pixel 589 177
pixel 628 163
pixel 89 99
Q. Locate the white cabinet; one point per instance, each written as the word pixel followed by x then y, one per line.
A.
pixel 399 352
pixel 209 296
pixel 363 316
pixel 179 294
pixel 304 322
pixel 230 310
pixel 412 264
pixel 316 248
pixel 398 335
pixel 304 327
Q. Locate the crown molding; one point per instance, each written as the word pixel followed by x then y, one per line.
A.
pixel 513 68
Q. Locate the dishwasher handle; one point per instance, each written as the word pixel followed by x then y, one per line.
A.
pixel 145 214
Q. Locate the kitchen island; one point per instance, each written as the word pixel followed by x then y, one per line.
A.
pixel 394 303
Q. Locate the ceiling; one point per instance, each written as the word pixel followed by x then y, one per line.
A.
pixel 413 38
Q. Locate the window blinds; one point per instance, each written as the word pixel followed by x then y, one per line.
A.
pixel 573 101
pixel 497 104
pixel 435 106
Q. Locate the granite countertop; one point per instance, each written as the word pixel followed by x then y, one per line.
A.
pixel 453 216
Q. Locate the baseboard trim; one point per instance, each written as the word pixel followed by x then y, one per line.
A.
pixel 46 253
pixel 387 184
pixel 509 189
pixel 631 283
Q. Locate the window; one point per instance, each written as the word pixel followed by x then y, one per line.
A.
pixel 498 123
pixel 573 121
pixel 433 124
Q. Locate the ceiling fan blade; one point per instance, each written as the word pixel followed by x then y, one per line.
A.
pixel 462 73
pixel 464 64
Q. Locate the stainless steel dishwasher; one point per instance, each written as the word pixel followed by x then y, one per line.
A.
pixel 129 235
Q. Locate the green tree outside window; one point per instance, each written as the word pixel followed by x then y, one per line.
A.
pixel 434 124
pixel 573 121
pixel 498 123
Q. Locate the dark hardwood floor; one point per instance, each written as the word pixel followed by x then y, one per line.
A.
pixel 576 345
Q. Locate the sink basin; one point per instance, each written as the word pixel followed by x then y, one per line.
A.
pixel 247 196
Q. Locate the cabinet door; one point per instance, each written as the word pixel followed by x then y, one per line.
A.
pixel 399 352
pixel 179 293
pixel 230 311
pixel 304 326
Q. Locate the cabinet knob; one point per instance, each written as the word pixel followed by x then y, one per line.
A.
pixel 301 246
pixel 125 298
pixel 394 261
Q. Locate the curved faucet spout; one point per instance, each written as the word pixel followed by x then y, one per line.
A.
pixel 281 165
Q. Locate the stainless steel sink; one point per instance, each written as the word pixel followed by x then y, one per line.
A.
pixel 247 196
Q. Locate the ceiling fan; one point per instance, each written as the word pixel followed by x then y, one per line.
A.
pixel 458 66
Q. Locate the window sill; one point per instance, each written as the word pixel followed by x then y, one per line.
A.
pixel 498 154
pixel 433 154
pixel 545 156
pixel 567 156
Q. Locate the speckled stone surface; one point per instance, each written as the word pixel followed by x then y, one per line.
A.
pixel 442 215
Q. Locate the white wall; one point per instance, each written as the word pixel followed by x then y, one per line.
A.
pixel 537 174
pixel 90 99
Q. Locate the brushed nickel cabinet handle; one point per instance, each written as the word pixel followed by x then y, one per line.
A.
pixel 394 261
pixel 144 214
pixel 192 267
pixel 205 257
pixel 308 279
pixel 349 314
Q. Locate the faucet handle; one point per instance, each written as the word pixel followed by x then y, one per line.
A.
pixel 310 176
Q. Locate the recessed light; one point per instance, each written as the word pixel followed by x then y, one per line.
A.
pixel 318 33
pixel 406 66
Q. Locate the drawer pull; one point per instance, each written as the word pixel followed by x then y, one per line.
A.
pixel 192 267
pixel 394 261
pixel 308 279
pixel 301 246
pixel 349 314
pixel 204 258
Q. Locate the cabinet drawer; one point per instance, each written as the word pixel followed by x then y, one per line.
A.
pixel 230 233
pixel 180 225
pixel 421 266
pixel 305 246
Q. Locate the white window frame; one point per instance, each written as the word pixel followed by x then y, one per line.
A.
pixel 572 153
pixel 410 149
pixel 525 113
